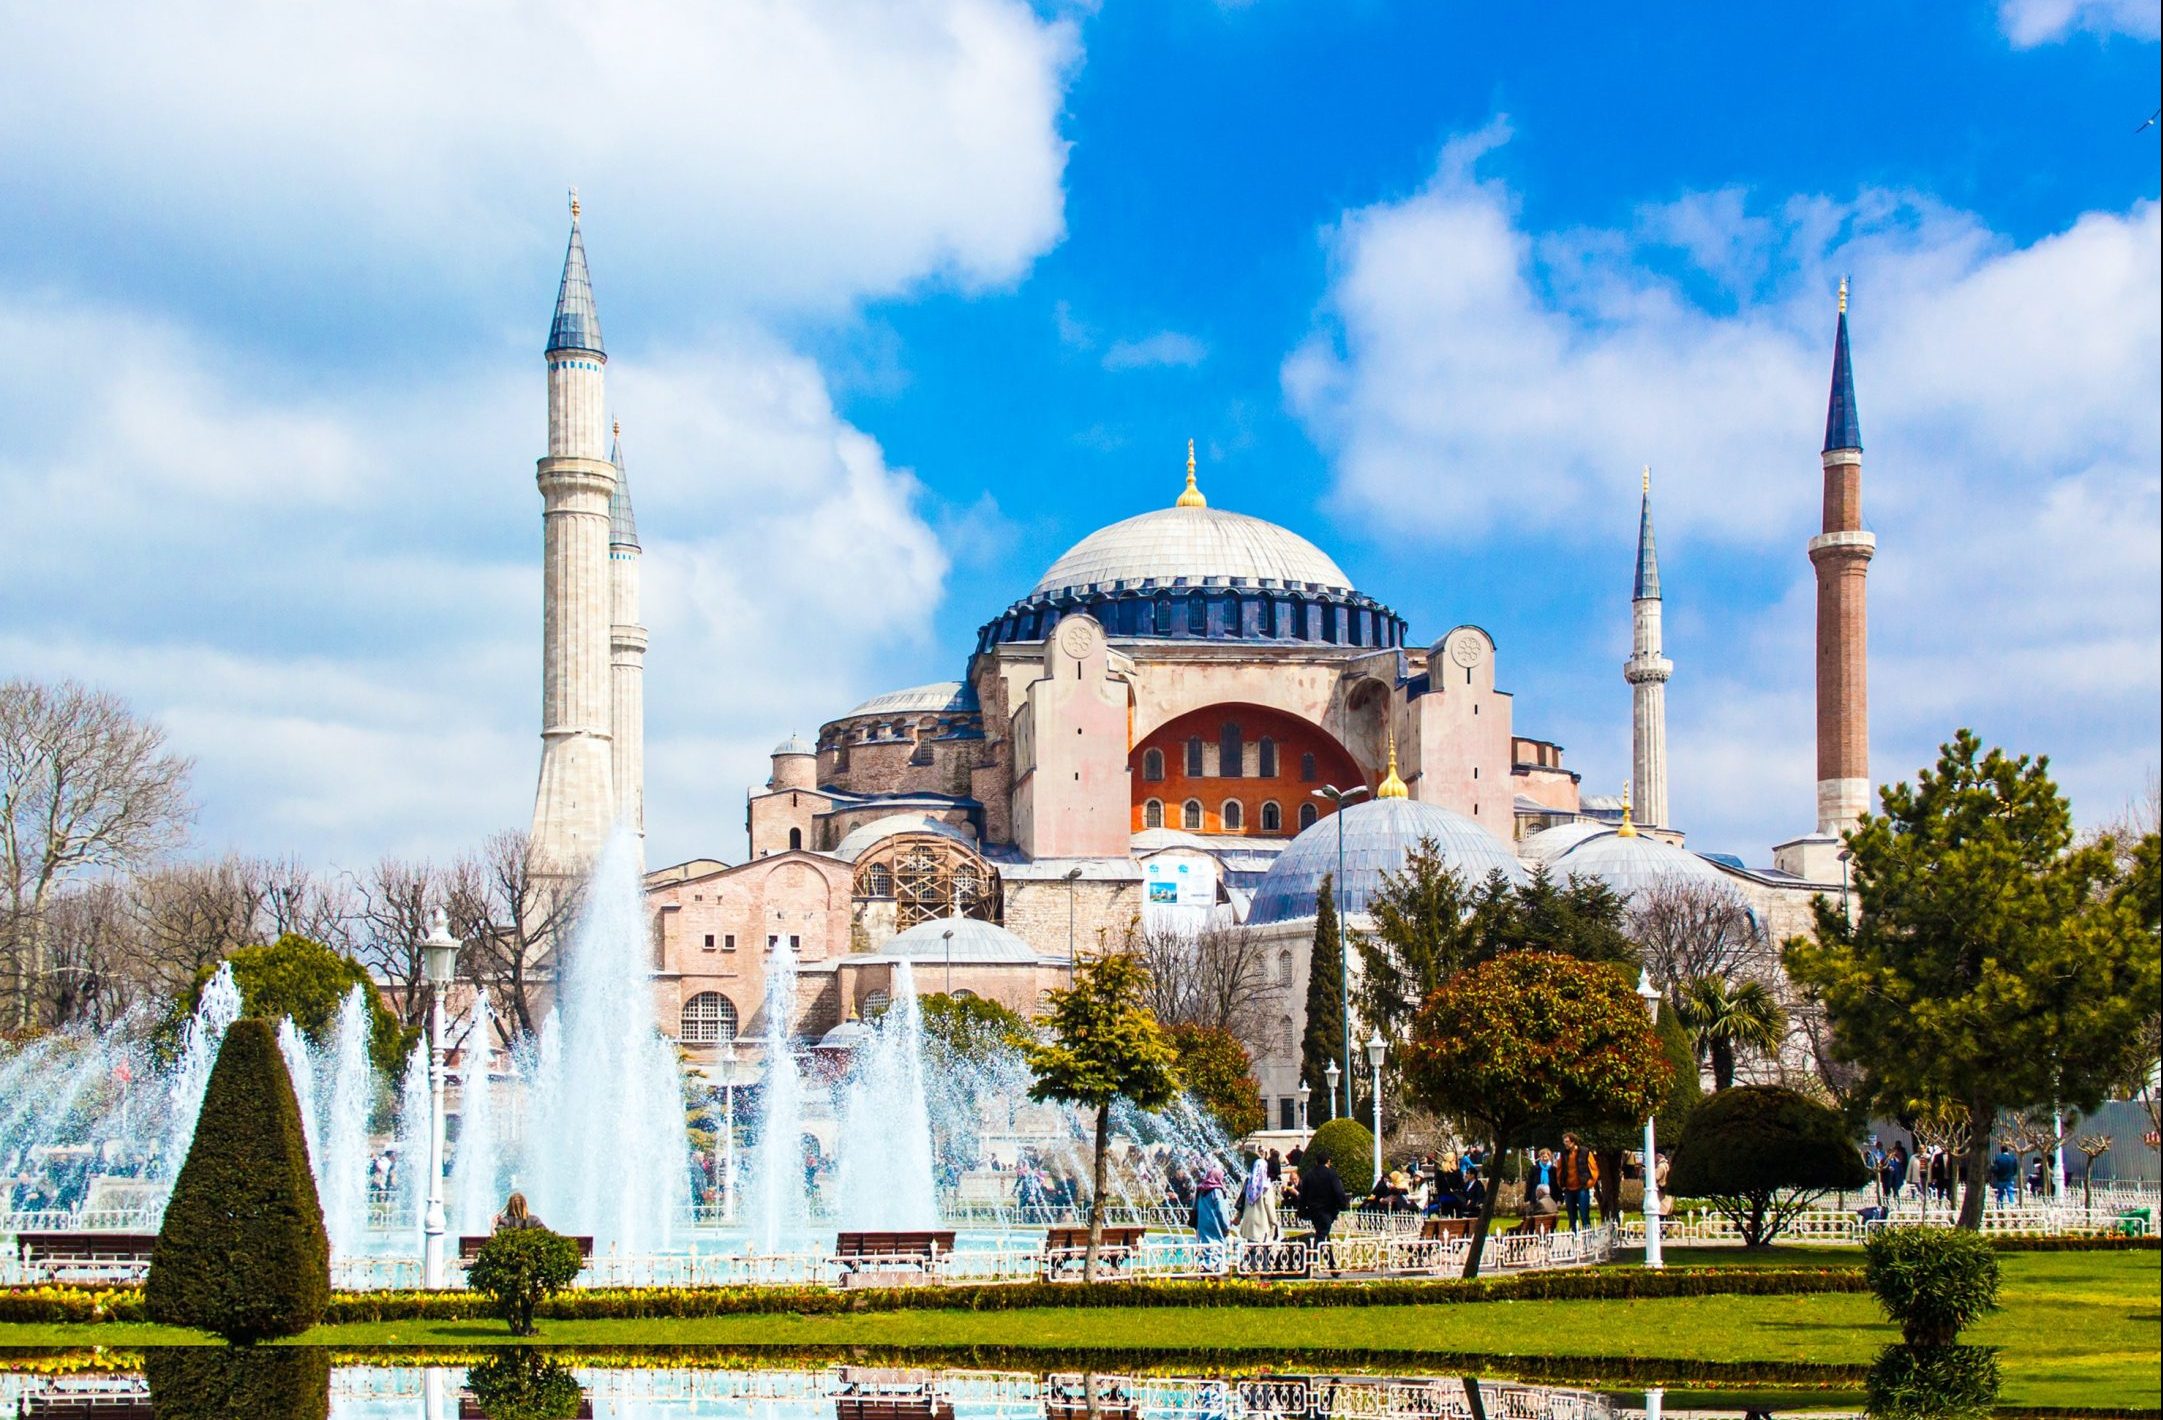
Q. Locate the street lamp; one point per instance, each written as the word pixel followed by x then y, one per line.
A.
pixel 1375 1050
pixel 1073 876
pixel 1305 1090
pixel 439 961
pixel 1339 798
pixel 948 937
pixel 1650 995
pixel 728 1126
pixel 1332 1074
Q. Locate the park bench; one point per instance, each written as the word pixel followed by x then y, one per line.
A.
pixel 871 1393
pixel 469 1247
pixel 86 1256
pixel 1444 1229
pixel 890 1259
pixel 1066 1249
pixel 470 1409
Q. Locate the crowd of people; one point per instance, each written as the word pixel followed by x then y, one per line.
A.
pixel 1930 1173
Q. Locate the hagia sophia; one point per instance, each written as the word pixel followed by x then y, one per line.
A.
pixel 1185 720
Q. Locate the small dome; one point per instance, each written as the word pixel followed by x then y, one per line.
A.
pixel 1630 864
pixel 1551 843
pixel 974 942
pixel 846 1036
pixel 863 836
pixel 1193 543
pixel 918 699
pixel 1378 836
pixel 794 744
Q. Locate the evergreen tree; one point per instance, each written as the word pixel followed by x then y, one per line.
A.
pixel 1323 1042
pixel 242 1251
pixel 300 977
pixel 237 1383
pixel 1726 1018
pixel 1992 964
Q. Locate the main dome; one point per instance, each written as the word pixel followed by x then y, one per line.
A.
pixel 1193 545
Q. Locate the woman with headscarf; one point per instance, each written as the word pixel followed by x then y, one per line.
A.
pixel 1211 1222
pixel 1258 1205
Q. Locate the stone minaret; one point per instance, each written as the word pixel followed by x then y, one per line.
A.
pixel 1841 554
pixel 627 648
pixel 1647 672
pixel 576 801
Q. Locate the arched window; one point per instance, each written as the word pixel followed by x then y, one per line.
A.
pixel 1164 616
pixel 1194 757
pixel 1233 611
pixel 1153 766
pixel 1284 973
pixel 1265 757
pixel 878 881
pixel 1308 772
pixel 1235 816
pixel 1231 751
pixel 967 888
pixel 1153 814
pixel 1306 815
pixel 709 1018
pixel 1272 817
pixel 965 994
pixel 1190 815
pixel 875 1005
pixel 1197 615
pixel 928 879
pixel 796 839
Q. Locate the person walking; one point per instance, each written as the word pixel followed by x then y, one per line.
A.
pixel 1258 1205
pixel 1322 1197
pixel 2005 1174
pixel 1578 1173
pixel 1211 1224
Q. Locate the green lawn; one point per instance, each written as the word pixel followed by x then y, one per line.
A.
pixel 2078 1329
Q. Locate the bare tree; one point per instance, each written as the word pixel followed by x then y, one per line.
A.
pixel 396 898
pixel 1219 976
pixel 1689 930
pixel 85 787
pixel 189 915
pixel 95 965
pixel 511 919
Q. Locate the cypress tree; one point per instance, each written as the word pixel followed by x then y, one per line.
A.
pixel 1323 1042
pixel 242 1251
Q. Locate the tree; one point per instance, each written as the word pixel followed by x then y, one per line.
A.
pixel 1760 1154
pixel 242 1251
pixel 1534 1041
pixel 85 787
pixel 511 916
pixel 969 1029
pixel 222 1383
pixel 1322 1042
pixel 1724 1019
pixel 1609 1142
pixel 1104 1046
pixel 309 982
pixel 520 1383
pixel 397 900
pixel 1348 1145
pixel 1218 977
pixel 1993 964
pixel 1215 1068
pixel 1687 928
pixel 522 1267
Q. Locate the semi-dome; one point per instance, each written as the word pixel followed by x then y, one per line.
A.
pixel 974 942
pixel 1551 843
pixel 918 699
pixel 1193 545
pixel 865 835
pixel 1378 835
pixel 1632 862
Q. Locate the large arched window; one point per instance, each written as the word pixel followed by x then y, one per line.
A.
pixel 928 878
pixel 1235 816
pixel 1190 815
pixel 1153 765
pixel 1306 815
pixel 1153 814
pixel 1194 757
pixel 1272 817
pixel 709 1018
pixel 878 881
pixel 1308 772
pixel 1231 750
pixel 1265 757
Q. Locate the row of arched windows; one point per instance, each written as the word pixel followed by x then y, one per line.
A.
pixel 1231 816
pixel 1231 758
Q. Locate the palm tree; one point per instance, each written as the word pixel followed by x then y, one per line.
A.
pixel 1724 1019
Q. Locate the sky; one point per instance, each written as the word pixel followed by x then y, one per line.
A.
pixel 903 297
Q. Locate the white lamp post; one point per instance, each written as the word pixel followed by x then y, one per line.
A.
pixel 1331 1073
pixel 1305 1090
pixel 439 961
pixel 948 937
pixel 1651 997
pixel 728 1126
pixel 1375 1051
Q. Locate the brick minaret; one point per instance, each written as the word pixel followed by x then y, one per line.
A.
pixel 575 802
pixel 1647 671
pixel 1841 554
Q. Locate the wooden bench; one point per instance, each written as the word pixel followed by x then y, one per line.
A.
pixel 1067 1249
pixel 469 1247
pixel 87 1256
pixel 890 1259
pixel 1444 1229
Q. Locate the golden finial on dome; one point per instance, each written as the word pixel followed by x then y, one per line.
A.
pixel 1391 786
pixel 1646 486
pixel 1628 829
pixel 1192 498
pixel 1843 295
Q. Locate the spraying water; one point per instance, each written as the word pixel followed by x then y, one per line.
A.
pixel 411 1177
pixel 347 1106
pixel 886 1180
pixel 779 1196
pixel 218 1008
pixel 300 1069
pixel 474 1197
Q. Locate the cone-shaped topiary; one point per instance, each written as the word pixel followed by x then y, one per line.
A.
pixel 242 1251
pixel 216 1383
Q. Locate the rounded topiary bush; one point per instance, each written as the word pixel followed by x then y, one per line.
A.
pixel 521 1268
pixel 1762 1153
pixel 1932 1383
pixel 243 1383
pixel 242 1251
pixel 1932 1282
pixel 1349 1147
pixel 521 1384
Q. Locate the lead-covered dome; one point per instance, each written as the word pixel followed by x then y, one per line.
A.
pixel 1193 545
pixel 1378 835
pixel 971 941
pixel 1632 862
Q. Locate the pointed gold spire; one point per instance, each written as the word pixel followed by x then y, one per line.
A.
pixel 1843 295
pixel 1391 786
pixel 1645 485
pixel 574 204
pixel 1628 829
pixel 1192 498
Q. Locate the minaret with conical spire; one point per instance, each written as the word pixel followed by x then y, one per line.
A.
pixel 1841 555
pixel 575 802
pixel 627 651
pixel 1647 671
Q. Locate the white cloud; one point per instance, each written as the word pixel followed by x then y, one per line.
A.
pixel 1164 348
pixel 1497 387
pixel 336 611
pixel 768 155
pixel 2032 22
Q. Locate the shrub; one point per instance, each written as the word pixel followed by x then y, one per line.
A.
pixel 242 1251
pixel 1932 1282
pixel 1932 1383
pixel 1760 1154
pixel 246 1383
pixel 1349 1147
pixel 521 1268
pixel 1214 1066
pixel 524 1385
pixel 299 977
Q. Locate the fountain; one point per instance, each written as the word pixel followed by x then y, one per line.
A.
pixel 410 1196
pixel 218 1008
pixel 348 1110
pixel 475 1162
pixel 778 1191
pixel 890 1186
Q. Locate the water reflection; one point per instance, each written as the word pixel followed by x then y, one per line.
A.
pixel 519 1384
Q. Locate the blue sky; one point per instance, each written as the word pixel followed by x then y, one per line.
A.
pixel 902 298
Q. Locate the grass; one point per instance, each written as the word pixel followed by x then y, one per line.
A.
pixel 2077 1330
